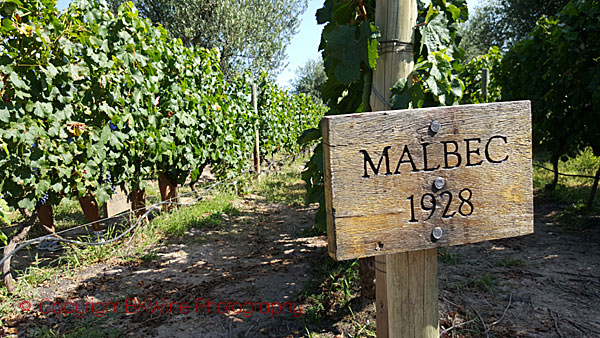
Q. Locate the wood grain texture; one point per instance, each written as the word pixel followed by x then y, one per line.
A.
pixel 407 299
pixel 371 216
pixel 396 60
pixel 381 294
pixel 396 19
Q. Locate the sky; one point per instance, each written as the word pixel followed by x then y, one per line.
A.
pixel 304 45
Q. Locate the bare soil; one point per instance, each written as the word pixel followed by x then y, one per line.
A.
pixel 542 285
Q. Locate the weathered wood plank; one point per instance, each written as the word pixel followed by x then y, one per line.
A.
pixel 430 297
pixel 117 203
pixel 381 294
pixel 375 162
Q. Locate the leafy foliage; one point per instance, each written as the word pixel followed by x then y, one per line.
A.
pixel 91 99
pixel 349 27
pixel 310 79
pixel 504 22
pixel 434 80
pixel 557 67
pixel 3 220
pixel 283 117
pixel 249 34
pixel 471 75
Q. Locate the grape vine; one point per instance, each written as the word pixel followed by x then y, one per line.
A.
pixel 557 68
pixel 93 100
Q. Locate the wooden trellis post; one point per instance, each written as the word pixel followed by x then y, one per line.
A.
pixel 485 79
pixel 396 19
pixel 257 136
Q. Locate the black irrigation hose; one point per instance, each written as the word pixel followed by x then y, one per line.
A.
pixel 561 174
pixel 133 226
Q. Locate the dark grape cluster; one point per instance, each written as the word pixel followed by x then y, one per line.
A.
pixel 43 200
pixel 109 178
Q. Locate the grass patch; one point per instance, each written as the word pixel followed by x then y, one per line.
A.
pixel 486 283
pixel 331 287
pixel 449 258
pixel 205 214
pixel 572 190
pixel 35 274
pixel 510 262
pixel 285 186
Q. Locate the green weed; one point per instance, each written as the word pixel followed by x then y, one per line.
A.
pixel 284 187
pixel 510 262
pixel 149 256
pixel 449 258
pixel 367 329
pixel 332 286
pixel 485 283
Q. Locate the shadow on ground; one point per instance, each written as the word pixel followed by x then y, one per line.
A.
pixel 227 280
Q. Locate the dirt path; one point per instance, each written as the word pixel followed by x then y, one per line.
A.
pixel 550 278
pixel 543 285
pixel 255 256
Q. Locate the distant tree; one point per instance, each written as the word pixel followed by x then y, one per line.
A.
pixel 250 34
pixel 503 23
pixel 480 32
pixel 310 79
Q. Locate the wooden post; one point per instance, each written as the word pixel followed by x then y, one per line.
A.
pixel 257 137
pixel 406 283
pixel 485 78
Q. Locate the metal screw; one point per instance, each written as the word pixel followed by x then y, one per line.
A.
pixel 437 233
pixel 439 183
pixel 435 126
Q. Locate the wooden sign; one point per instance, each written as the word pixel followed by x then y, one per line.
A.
pixel 117 203
pixel 415 179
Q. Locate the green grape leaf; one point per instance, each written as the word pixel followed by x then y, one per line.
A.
pixel 310 135
pixel 435 34
pixel 347 65
pixel 4 115
pixel 400 95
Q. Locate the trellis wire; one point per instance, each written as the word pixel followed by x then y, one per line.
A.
pixel 133 226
